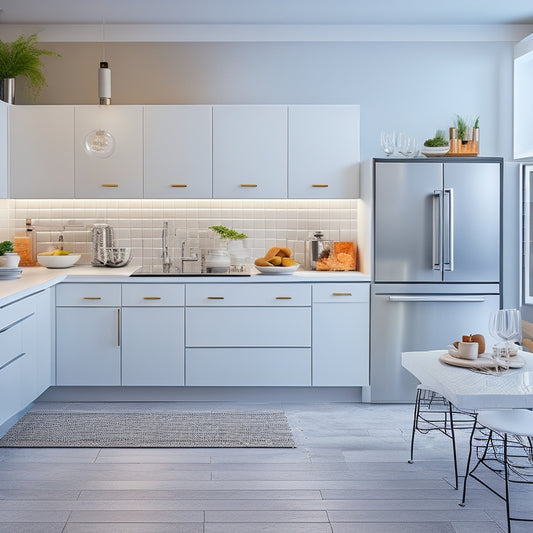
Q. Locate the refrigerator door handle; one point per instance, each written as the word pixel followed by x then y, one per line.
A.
pixel 448 231
pixel 436 298
pixel 437 229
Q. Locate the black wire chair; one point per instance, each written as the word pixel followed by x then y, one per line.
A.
pixel 502 441
pixel 433 412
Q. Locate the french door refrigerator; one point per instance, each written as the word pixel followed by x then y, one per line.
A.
pixel 436 260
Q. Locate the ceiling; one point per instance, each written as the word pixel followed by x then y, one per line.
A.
pixel 292 12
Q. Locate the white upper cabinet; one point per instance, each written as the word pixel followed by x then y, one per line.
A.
pixel 324 151
pixel 121 174
pixel 250 151
pixel 523 103
pixel 177 151
pixel 41 151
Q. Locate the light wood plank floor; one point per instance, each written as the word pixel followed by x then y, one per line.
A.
pixel 348 474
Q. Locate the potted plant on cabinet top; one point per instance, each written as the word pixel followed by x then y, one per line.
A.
pixel 7 257
pixel 21 57
pixel 437 146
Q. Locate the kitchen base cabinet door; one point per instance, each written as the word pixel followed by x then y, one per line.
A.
pixel 340 344
pixel 242 367
pixel 12 387
pixel 152 346
pixel 88 346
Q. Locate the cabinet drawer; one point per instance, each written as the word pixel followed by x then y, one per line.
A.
pixel 88 294
pixel 237 326
pixel 341 292
pixel 10 343
pixel 260 295
pixel 16 311
pixel 240 367
pixel 153 294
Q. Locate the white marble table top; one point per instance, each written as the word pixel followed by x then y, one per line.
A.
pixel 470 390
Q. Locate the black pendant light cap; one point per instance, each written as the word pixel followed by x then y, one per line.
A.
pixel 103 64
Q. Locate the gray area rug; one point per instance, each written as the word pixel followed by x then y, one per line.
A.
pixel 192 429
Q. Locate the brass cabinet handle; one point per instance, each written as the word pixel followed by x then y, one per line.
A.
pixel 151 297
pixel 248 185
pixel 320 185
pixel 215 297
pixel 283 297
pixel 92 298
pixel 341 293
pixel 178 185
pixel 109 184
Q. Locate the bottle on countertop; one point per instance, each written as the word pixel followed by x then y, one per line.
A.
pixel 26 246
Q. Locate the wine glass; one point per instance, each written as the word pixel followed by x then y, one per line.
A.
pixel 509 326
pixel 387 143
pixel 402 142
pixel 493 332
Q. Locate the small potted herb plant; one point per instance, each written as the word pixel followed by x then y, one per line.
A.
pixel 235 245
pixel 7 257
pixel 436 146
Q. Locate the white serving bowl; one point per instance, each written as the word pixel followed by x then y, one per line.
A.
pixel 435 151
pixel 58 261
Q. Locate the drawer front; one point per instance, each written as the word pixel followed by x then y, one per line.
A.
pixel 10 343
pixel 240 367
pixel 341 292
pixel 88 294
pixel 153 295
pixel 237 326
pixel 247 294
pixel 14 312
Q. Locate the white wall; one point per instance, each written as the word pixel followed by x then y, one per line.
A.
pixel 414 87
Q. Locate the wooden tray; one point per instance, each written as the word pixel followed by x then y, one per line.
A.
pixel 481 362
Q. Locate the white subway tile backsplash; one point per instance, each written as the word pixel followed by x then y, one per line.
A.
pixel 138 223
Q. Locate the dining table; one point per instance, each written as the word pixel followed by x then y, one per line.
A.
pixel 470 390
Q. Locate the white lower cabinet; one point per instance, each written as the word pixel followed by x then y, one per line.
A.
pixel 152 334
pixel 341 334
pixel 88 334
pixel 25 352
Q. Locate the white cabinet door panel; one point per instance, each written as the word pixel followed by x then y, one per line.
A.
pixel 177 151
pixel 88 346
pixel 250 151
pixel 152 346
pixel 41 140
pixel 153 295
pixel 324 151
pixel 257 326
pixel 121 174
pixel 240 367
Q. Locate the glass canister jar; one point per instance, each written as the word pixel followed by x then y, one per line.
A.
pixel 217 261
pixel 316 247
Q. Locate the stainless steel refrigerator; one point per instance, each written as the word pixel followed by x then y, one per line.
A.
pixel 436 260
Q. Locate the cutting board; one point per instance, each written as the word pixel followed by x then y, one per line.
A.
pixel 481 362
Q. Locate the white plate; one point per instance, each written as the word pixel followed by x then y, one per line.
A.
pixel 278 270
pixel 10 269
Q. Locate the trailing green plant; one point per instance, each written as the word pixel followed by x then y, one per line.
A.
pixel 6 247
pixel 226 233
pixel 22 57
pixel 438 140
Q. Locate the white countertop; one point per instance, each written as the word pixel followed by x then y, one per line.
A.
pixel 34 279
pixel 470 390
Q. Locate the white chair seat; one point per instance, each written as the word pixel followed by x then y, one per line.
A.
pixel 511 421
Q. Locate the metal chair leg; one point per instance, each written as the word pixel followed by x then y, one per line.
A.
pixel 506 470
pixel 454 450
pixel 467 473
pixel 415 419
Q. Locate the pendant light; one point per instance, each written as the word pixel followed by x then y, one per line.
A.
pixel 99 142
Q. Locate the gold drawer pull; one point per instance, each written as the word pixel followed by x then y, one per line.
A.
pixel 151 297
pixel 109 184
pixel 92 298
pixel 178 185
pixel 283 297
pixel 248 185
pixel 341 293
pixel 320 185
pixel 215 297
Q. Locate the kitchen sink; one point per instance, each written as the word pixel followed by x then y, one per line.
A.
pixel 148 271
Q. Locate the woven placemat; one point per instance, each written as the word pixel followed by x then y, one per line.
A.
pixel 195 429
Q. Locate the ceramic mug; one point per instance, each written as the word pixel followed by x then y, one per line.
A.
pixel 468 350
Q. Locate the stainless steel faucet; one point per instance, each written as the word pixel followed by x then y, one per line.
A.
pixel 167 262
pixel 184 259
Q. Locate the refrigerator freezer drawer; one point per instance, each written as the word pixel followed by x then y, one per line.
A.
pixel 411 322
